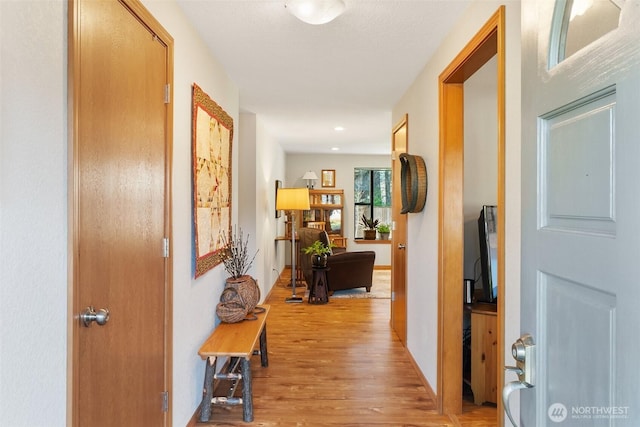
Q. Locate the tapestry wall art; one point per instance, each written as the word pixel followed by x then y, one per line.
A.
pixel 212 136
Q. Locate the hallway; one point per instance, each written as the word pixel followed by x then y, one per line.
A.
pixel 339 365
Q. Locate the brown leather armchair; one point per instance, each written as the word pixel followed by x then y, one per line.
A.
pixel 347 270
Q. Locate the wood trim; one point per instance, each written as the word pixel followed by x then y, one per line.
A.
pixel 423 379
pixel 502 145
pixel 450 248
pixel 404 121
pixel 487 42
pixel 371 242
pixel 193 421
pixel 398 312
pixel 73 343
pixel 480 49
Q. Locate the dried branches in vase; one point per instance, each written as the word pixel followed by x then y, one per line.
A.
pixel 236 255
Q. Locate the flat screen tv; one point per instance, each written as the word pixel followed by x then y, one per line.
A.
pixel 488 233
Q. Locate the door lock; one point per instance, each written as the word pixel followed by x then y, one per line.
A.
pixel 524 352
pixel 101 317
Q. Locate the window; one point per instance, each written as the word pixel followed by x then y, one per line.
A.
pixel 372 196
pixel 578 23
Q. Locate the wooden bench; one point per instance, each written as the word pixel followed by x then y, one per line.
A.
pixel 235 341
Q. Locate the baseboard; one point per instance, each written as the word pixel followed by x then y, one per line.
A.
pixel 266 298
pixel 194 419
pixel 382 267
pixel 423 379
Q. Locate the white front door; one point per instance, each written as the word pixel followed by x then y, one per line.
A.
pixel 581 212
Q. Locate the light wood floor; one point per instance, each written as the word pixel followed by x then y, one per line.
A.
pixel 339 364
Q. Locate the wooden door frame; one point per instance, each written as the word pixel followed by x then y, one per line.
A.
pixel 403 122
pixel 73 307
pixel 487 43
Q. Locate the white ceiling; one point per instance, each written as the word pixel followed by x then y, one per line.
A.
pixel 304 80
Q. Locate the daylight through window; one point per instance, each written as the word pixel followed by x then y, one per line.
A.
pixel 372 196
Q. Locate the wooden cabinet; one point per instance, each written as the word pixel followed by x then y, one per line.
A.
pixel 327 213
pixel 484 345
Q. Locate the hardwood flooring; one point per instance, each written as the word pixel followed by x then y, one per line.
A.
pixel 339 364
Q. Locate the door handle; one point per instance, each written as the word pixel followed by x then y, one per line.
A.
pixel 89 315
pixel 524 352
pixel 401 246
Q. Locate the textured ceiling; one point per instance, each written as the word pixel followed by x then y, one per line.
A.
pixel 304 80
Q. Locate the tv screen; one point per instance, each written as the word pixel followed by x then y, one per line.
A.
pixel 487 230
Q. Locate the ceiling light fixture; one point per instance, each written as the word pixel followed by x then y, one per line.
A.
pixel 335 149
pixel 338 128
pixel 315 12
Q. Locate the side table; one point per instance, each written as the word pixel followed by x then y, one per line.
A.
pixel 319 291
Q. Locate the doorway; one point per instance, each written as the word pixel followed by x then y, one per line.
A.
pixel 399 145
pixel 486 44
pixel 119 215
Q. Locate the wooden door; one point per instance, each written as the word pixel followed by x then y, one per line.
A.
pixel 399 142
pixel 581 210
pixel 120 69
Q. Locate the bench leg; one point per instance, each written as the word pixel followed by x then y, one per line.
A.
pixel 207 392
pixel 264 357
pixel 247 391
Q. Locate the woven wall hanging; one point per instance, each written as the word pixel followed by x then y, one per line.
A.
pixel 413 182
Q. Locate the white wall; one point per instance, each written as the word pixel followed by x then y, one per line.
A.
pixel 421 103
pixel 262 163
pixel 33 208
pixel 194 301
pixel 480 156
pixel 33 233
pixel 297 164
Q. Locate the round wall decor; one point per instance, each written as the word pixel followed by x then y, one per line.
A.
pixel 413 182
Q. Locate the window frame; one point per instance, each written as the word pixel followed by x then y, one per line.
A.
pixel 371 203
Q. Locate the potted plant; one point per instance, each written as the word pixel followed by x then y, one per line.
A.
pixel 384 230
pixel 370 226
pixel 319 253
pixel 235 257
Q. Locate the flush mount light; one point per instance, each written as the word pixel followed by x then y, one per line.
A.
pixel 338 128
pixel 315 12
pixel 335 149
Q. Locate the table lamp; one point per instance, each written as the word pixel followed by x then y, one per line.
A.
pixel 310 177
pixel 293 199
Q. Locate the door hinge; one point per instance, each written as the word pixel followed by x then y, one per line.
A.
pixel 165 401
pixel 167 93
pixel 165 247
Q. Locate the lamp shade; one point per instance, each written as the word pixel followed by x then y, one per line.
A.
pixel 292 199
pixel 315 12
pixel 310 175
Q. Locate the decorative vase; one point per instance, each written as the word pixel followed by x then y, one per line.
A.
pixel 231 308
pixel 319 260
pixel 370 234
pixel 248 289
pixel 384 236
